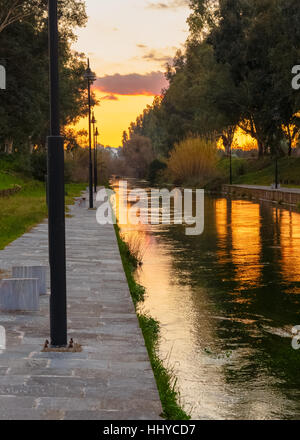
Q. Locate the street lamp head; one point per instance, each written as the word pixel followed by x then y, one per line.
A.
pixel 97 132
pixel 93 121
pixel 89 75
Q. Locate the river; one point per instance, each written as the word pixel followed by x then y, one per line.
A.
pixel 227 301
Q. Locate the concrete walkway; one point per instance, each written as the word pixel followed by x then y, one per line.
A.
pixel 268 188
pixel 112 378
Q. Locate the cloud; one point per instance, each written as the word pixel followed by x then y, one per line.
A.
pixel 110 97
pixel 169 4
pixel 154 55
pixel 162 56
pixel 149 84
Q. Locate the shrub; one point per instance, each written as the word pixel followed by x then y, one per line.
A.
pixel 155 169
pixel 193 160
pixel 38 162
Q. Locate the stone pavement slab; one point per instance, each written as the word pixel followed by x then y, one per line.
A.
pixel 112 377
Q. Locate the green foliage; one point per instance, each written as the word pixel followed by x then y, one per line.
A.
pixel 155 169
pixel 235 71
pixel 255 174
pixel 24 112
pixel 8 180
pixel 261 172
pixel 165 378
pixel 38 163
pixel 23 210
pixel 130 263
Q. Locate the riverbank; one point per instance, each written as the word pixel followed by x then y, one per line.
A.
pixel 282 196
pixel 165 379
pixel 245 171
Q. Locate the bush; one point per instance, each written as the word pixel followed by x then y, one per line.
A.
pixel 38 165
pixel 38 162
pixel 155 169
pixel 193 160
pixel 241 169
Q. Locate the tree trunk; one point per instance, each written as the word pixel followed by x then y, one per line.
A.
pixel 290 141
pixel 227 138
pixel 260 148
pixel 8 145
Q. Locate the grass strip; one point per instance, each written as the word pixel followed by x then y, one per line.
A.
pixel 165 378
pixel 25 209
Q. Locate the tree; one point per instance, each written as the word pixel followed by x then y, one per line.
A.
pixel 254 40
pixel 12 11
pixel 235 71
pixel 194 103
pixel 124 138
pixel 24 113
pixel 138 154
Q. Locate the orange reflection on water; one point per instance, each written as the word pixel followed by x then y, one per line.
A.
pixel 290 244
pixel 221 219
pixel 246 242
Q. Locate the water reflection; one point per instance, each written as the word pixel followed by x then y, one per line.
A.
pixel 227 301
pixel 290 244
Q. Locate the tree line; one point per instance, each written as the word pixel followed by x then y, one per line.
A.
pixel 24 109
pixel 235 71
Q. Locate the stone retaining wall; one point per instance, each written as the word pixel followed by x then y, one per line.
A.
pixel 272 195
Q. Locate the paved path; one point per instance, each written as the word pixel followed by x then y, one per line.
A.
pixel 112 377
pixel 268 188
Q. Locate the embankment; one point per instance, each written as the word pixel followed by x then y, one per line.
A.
pixel 285 196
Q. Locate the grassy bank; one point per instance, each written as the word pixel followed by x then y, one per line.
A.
pixel 7 180
pixel 165 379
pixel 262 171
pixel 251 171
pixel 25 209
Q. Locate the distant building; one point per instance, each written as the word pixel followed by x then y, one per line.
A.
pixel 111 150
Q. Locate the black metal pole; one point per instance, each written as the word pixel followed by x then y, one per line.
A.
pixel 230 165
pixel 95 164
pixel 91 200
pixel 276 172
pixel 56 196
pixel 96 161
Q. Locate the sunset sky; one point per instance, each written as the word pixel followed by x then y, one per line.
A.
pixel 129 43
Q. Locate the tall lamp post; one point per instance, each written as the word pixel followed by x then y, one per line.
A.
pixel 96 159
pixel 276 172
pixel 230 165
pixel 90 77
pixel 94 141
pixel 56 196
pixel 276 119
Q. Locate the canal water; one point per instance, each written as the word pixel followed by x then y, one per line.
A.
pixel 227 301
